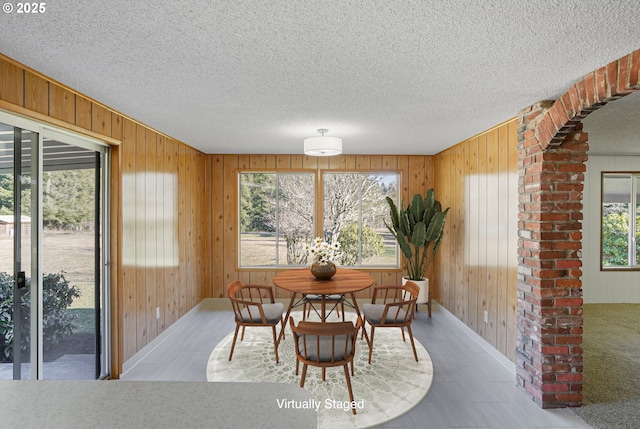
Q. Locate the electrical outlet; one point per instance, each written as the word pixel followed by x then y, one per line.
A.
pixel 158 313
pixel 486 316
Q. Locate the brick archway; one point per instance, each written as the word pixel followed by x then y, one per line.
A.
pixel 552 151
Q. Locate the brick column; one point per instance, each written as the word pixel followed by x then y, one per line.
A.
pixel 549 314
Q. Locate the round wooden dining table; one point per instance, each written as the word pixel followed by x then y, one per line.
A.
pixel 345 282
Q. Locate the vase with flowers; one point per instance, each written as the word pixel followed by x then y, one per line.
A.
pixel 323 256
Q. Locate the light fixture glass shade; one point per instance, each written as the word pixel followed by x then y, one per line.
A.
pixel 323 146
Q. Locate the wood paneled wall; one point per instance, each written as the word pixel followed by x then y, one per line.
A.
pixel 164 233
pixel 196 223
pixel 417 174
pixel 476 267
pixel 160 238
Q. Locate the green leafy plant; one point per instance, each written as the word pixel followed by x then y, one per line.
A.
pixel 418 229
pixel 351 238
pixel 58 323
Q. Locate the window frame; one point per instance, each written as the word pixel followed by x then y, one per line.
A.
pixel 633 204
pixel 276 172
pixel 318 213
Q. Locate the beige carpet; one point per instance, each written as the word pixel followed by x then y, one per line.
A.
pixel 389 387
pixel 611 344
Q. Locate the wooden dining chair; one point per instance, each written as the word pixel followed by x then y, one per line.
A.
pixel 254 305
pixel 326 345
pixel 335 301
pixel 391 307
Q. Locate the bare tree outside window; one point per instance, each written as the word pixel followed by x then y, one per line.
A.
pixel 276 217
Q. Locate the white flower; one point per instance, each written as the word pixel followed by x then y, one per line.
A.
pixel 322 252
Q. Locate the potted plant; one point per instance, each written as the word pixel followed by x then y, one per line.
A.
pixel 418 230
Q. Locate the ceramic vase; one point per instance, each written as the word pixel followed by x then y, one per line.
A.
pixel 323 272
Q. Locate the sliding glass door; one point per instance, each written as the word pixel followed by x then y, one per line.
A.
pixel 18 261
pixel 52 242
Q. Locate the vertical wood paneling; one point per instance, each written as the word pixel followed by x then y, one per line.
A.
pixel 482 232
pixel 471 191
pixel 144 277
pixel 141 234
pixel 418 174
pixel 217 227
pixel 151 231
pixel 100 120
pixel 502 310
pixel 457 228
pixel 116 126
pixel 129 277
pixel 161 253
pixel 170 204
pixel 83 112
pixel 37 93
pixel 230 218
pixel 493 205
pixel 62 104
pixel 115 291
pixel 182 231
pixel 477 259
pixel 11 83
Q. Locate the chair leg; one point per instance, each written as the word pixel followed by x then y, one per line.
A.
pixel 415 354
pixel 346 375
pixel 402 330
pixel 342 309
pixel 324 373
pixel 371 343
pixel 233 344
pixel 281 336
pixel 275 342
pixel 242 336
pixel 304 374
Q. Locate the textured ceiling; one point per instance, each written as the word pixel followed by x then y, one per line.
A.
pixel 405 77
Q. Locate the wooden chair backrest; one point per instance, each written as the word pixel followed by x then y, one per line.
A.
pixel 319 330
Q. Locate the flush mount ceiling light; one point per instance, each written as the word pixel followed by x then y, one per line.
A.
pixel 322 146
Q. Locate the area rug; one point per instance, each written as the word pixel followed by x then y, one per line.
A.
pixel 391 385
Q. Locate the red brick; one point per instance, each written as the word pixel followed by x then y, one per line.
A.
pixel 555 387
pixel 568 302
pixel 572 168
pixel 623 74
pixel 590 86
pixel 601 85
pixel 567 245
pixel 634 70
pixel 612 78
pixel 569 283
pixel 575 100
pixel 568 263
pixel 570 398
pixel 582 93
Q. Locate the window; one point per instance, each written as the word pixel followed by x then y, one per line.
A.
pixel 277 217
pixel 620 220
pixel 354 212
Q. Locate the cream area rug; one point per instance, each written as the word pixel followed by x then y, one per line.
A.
pixel 391 385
